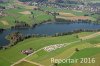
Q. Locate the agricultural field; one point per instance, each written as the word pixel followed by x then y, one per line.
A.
pixel 42 55
pixel 23 15
pixel 24 63
pixel 30 34
pixel 72 14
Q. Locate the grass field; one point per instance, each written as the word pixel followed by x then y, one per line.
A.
pixel 74 12
pixel 13 54
pixel 63 10
pixel 43 57
pixel 24 63
pixel 39 16
pixel 83 34
pixel 97 58
pixel 16 14
pixel 91 53
pixel 72 16
pixel 90 47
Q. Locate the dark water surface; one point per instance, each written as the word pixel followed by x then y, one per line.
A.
pixel 49 29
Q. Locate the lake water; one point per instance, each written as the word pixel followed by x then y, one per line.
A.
pixel 49 29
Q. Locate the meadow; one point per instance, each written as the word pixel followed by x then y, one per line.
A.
pixel 13 54
pixel 87 48
pixel 16 14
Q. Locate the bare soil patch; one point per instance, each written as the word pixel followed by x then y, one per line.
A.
pixel 74 17
pixel 25 12
pixel 4 22
pixel 66 14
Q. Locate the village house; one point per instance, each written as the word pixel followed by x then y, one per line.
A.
pixel 27 52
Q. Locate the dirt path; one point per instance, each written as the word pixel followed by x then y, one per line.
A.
pixel 26 57
pixel 38 51
pixel 33 63
pixel 91 36
pixel 83 38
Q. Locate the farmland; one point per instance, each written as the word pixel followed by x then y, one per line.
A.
pixel 30 34
pixel 13 14
pixel 41 55
pixel 25 64
pixel 61 53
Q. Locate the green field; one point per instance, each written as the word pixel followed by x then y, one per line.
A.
pixel 44 58
pixel 75 12
pixel 14 14
pixel 39 16
pixel 74 46
pixel 23 63
pixel 13 54
pixel 86 53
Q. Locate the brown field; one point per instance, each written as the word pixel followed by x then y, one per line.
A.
pixel 25 12
pixel 4 22
pixel 97 45
pixel 74 17
pixel 31 7
pixel 79 17
pixel 70 16
pixel 66 14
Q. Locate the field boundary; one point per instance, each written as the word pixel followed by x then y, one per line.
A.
pixel 86 37
pixel 40 50
pixel 33 63
pixel 90 36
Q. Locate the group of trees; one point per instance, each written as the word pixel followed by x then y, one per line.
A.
pixel 1 30
pixel 79 20
pixel 20 24
pixel 15 37
pixel 32 13
pixel 25 0
pixel 98 20
pixel 75 31
pixel 2 7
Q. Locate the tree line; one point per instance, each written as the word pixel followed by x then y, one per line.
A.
pixel 16 37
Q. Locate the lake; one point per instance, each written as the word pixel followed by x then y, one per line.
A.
pixel 49 29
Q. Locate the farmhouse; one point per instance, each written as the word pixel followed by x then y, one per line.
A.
pixel 27 52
